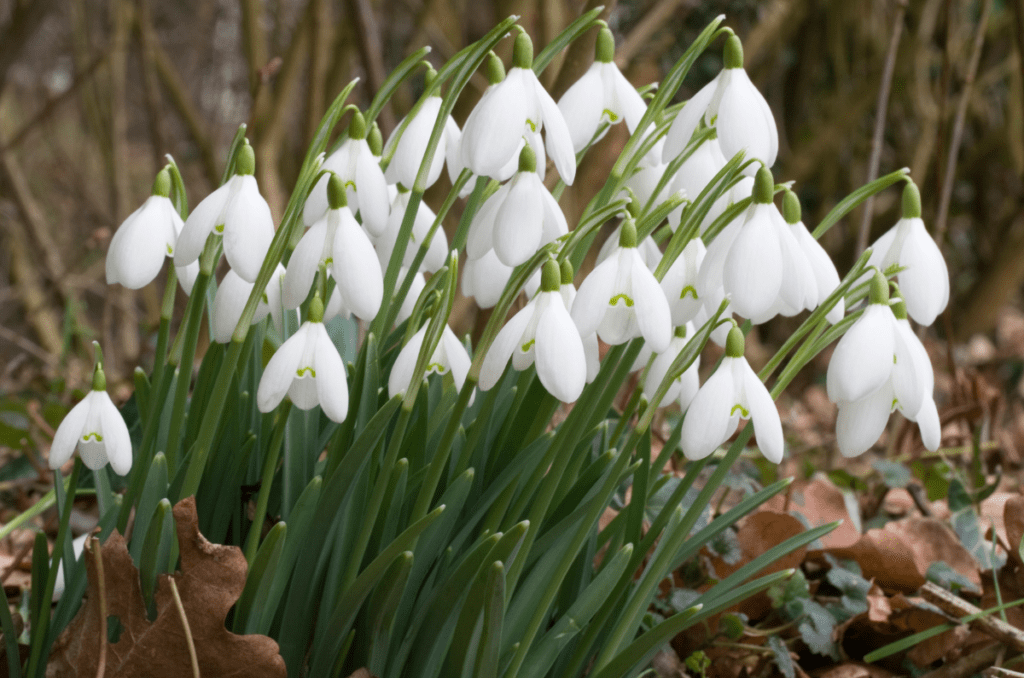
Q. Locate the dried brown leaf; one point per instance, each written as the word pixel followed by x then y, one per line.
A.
pixel 209 582
pixel 1013 519
pixel 820 502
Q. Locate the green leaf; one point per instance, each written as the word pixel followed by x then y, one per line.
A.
pixel 942 574
pixel 893 473
pixel 854 589
pixel 259 579
pixel 816 629
pixel 847 204
pixel 564 39
pixel 153 491
pixel 156 552
pixel 781 655
pixel 959 497
pixel 382 607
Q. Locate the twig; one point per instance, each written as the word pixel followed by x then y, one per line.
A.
pixel 958 125
pixel 917 493
pixel 368 37
pixel 880 115
pixel 16 561
pixel 966 666
pixel 94 546
pixel 188 632
pixel 990 625
pixel 150 84
pixel 653 20
pixel 999 672
pixel 27 345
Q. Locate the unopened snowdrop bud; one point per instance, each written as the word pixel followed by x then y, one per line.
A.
pixel 236 211
pixel 685 386
pixel 232 295
pixel 449 356
pixel 826 278
pixel 94 428
pixel 602 94
pixel 520 218
pixel 863 358
pixel 308 369
pixel 517 105
pixel 924 280
pixel 621 298
pixel 543 332
pixel 359 169
pixel 410 148
pixel 732 105
pixel 145 238
pixel 732 393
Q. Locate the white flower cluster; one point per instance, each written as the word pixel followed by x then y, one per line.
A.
pixel 761 264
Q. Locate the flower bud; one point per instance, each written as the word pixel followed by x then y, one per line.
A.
pixel 495 69
pixel 527 159
pixel 735 344
pixel 375 140
pixel 336 197
pixel 567 273
pixel 604 52
pixel 522 52
pixel 357 126
pixel 551 276
pixel 879 291
pixel 316 309
pixel 162 183
pixel 764 186
pixel 245 163
pixel 732 54
pixel 429 77
pixel 627 236
pixel 791 207
pixel 911 201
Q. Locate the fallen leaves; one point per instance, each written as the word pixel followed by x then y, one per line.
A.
pixel 209 582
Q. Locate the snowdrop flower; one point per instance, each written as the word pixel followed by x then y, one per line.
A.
pixel 693 176
pixel 732 393
pixel 650 170
pixel 407 152
pixel 621 299
pixel 485 278
pixel 680 283
pixel 798 290
pixel 415 289
pixel 336 240
pixel 232 295
pixel 494 129
pixel 591 351
pixel 684 387
pixel 437 250
pixel 449 356
pixel 308 369
pixel 826 278
pixel 924 280
pixel 603 93
pixel 360 172
pixel 518 219
pixel 542 332
pixel 138 248
pixel 649 251
pixel 237 211
pixel 732 105
pixel 187 276
pixel 95 429
pixel 908 388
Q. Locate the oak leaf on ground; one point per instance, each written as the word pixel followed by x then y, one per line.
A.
pixel 210 581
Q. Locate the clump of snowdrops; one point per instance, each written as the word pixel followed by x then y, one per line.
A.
pixel 435 504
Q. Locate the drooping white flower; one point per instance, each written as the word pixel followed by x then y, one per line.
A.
pixel 650 170
pixel 649 251
pixel 237 211
pixel 308 369
pixel 693 176
pixel 823 270
pixel 798 290
pixel 336 240
pixel 543 333
pixel 485 279
pixel 232 295
pixel 187 276
pixel 494 129
pixel 518 219
pixel 863 358
pixel 680 283
pixel 359 169
pixel 731 104
pixel 685 386
pixel 602 94
pixel 732 393
pixel 621 299
pixel 924 280
pixel 449 356
pixel 908 389
pixel 591 350
pixel 96 429
pixel 408 150
pixel 437 250
pixel 138 248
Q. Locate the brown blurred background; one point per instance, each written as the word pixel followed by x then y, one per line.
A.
pixel 94 92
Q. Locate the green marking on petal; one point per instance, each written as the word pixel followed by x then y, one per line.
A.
pixel 96 436
pixel 329 261
pixel 895 403
pixel 170 250
pixel 612 118
pixel 435 367
pixel 689 288
pixel 615 300
pixel 532 124
pixel 302 371
pixel 218 229
pixel 352 185
pixel 743 411
pixel 528 345
pixel 893 358
pixel 266 300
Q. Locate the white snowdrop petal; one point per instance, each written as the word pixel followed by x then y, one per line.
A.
pixel 302 392
pixel 752 272
pixel 928 422
pixel 187 276
pixel 248 230
pixel 861 422
pixel 689 384
pixel 908 382
pixel 653 316
pixel 281 370
pixel 591 303
pixel 710 277
pixel 561 363
pixel 708 419
pixel 115 435
pixel 481 231
pixel 518 222
pixel 558 141
pixel 862 361
pixel 592 353
pixel 555 225
pixel 628 102
pixel 764 414
pixel 228 304
pixel 372 188
pixel 457 357
pixel 68 432
pixel 484 279
pixel 199 225
pixel 745 122
pixel 316 204
pixel 303 265
pixel 331 385
pixel 686 121
pixel 356 269
pixel 137 250
pixel 580 107
pixel 493 129
pixel 509 338
pixel 405 363
pixel 925 282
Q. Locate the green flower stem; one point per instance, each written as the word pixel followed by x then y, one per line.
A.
pixel 409 66
pixel 266 480
pixel 41 626
pixel 473 204
pixel 372 507
pixel 628 410
pixel 847 204
pixel 166 314
pixel 378 326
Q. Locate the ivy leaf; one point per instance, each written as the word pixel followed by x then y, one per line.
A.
pixel 893 474
pixel 854 589
pixel 816 629
pixel 782 658
pixel 945 576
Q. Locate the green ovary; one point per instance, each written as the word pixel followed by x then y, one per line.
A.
pixel 624 297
